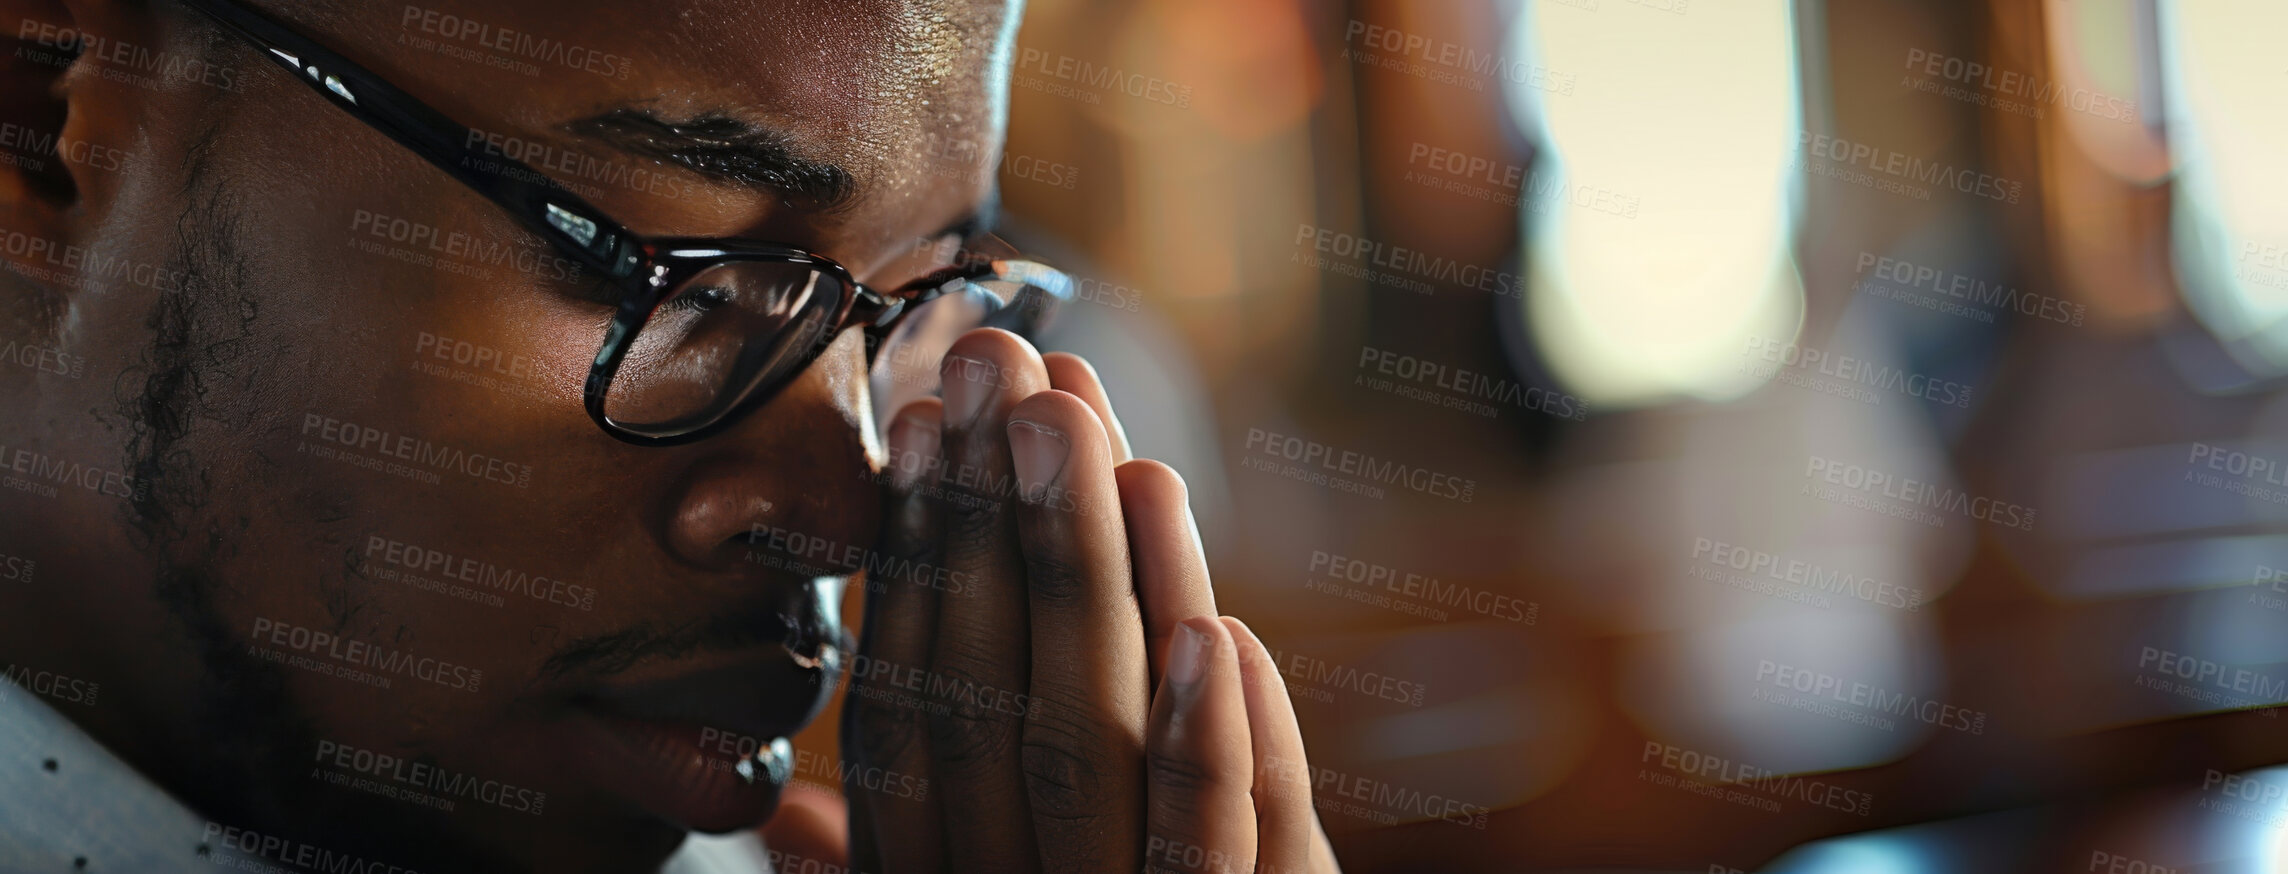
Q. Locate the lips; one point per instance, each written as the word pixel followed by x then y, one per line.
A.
pixel 703 749
pixel 690 726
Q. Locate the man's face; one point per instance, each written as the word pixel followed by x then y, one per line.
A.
pixel 383 520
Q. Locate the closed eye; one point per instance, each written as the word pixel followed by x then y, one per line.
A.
pixel 701 299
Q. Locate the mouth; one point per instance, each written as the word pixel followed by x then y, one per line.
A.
pixel 701 743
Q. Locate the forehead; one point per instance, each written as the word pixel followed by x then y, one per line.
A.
pixel 866 84
pixel 862 67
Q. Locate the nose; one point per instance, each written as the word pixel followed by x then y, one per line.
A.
pixel 792 484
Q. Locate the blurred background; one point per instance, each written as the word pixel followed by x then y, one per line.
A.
pixel 1711 435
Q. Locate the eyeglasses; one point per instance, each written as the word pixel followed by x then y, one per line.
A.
pixel 705 330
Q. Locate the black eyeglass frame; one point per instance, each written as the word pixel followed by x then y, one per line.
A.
pixel 647 269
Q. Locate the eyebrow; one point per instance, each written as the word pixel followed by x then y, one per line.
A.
pixel 726 149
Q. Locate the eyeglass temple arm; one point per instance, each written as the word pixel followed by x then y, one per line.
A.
pixel 564 219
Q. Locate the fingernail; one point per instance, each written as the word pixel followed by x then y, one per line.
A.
pixel 968 384
pixel 1187 657
pixel 913 449
pixel 1040 454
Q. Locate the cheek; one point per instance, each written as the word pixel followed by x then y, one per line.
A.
pixel 381 423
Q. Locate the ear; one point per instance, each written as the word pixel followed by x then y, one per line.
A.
pixel 77 80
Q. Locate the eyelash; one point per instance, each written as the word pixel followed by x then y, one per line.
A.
pixel 697 300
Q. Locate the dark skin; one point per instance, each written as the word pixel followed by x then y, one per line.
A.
pixel 249 285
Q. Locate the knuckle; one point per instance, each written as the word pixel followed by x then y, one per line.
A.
pixel 973 528
pixel 878 727
pixel 1180 780
pixel 911 535
pixel 1053 577
pixel 965 722
pixel 962 732
pixel 1068 768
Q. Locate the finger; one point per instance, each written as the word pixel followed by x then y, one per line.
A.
pixel 1072 373
pixel 1288 839
pixel 980 661
pixel 1164 545
pixel 1198 762
pixel 1084 726
pixel 883 723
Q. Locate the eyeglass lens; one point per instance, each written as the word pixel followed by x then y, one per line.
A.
pixel 720 336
